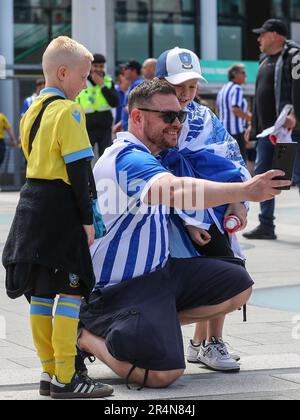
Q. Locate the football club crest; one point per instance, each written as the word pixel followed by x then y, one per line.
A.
pixel 77 116
pixel 186 60
pixel 74 281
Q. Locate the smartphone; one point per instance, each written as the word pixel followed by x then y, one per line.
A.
pixel 284 159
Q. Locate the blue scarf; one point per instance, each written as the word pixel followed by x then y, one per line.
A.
pixel 201 164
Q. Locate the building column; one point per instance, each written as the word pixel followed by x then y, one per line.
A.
pixel 209 29
pixel 7 51
pixel 90 23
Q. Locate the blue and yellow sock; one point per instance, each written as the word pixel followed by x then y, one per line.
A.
pixel 41 319
pixel 64 338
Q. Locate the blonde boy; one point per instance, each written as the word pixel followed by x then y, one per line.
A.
pixel 47 251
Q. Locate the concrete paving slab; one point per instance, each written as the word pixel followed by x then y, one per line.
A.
pixel 265 342
pixel 267 361
pixel 295 378
pixel 253 328
pixel 271 349
pixel 191 387
pixel 16 351
pixel 9 364
pixel 27 362
pixel 262 396
pixel 275 338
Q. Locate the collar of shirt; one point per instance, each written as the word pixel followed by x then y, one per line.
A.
pixel 53 91
pixel 127 137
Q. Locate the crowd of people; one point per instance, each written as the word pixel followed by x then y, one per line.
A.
pixel 166 259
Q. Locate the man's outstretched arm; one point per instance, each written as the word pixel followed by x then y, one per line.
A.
pixel 197 194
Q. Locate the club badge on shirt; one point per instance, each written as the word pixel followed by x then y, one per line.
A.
pixel 77 116
pixel 74 281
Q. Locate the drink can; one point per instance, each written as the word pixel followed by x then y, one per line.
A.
pixel 232 223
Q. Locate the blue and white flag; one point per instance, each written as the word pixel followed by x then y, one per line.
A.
pixel 206 151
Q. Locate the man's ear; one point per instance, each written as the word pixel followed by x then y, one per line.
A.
pixel 61 73
pixel 136 116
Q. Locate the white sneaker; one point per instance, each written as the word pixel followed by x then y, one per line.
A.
pixel 193 351
pixel 215 355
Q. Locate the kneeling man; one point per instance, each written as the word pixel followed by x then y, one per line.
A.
pixel 133 319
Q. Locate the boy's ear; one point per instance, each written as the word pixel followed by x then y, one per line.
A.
pixel 61 73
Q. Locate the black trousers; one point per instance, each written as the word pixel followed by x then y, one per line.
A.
pixel 102 137
pixel 242 144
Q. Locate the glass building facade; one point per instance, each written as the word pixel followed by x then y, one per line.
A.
pixel 217 30
pixel 145 28
pixel 36 22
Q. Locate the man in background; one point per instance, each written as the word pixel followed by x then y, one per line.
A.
pixel 133 73
pixel 149 68
pixel 98 100
pixel 233 107
pixel 39 85
pixel 276 86
pixel 5 126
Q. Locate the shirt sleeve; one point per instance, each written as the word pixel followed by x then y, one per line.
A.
pixel 111 95
pixel 137 171
pixel 78 173
pixel 73 137
pixel 237 97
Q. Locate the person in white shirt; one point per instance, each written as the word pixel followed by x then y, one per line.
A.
pixel 233 106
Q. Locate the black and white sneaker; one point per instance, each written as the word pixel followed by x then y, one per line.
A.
pixel 45 385
pixel 81 387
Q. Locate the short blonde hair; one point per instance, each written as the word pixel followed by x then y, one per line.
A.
pixel 64 51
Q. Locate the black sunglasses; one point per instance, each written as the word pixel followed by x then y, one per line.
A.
pixel 169 117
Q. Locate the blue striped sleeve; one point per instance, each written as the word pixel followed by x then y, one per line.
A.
pixel 135 168
pixel 82 154
pixel 237 98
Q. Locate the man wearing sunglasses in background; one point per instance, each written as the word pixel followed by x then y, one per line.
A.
pixel 132 320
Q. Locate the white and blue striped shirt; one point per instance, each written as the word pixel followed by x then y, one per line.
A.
pixel 137 241
pixel 232 95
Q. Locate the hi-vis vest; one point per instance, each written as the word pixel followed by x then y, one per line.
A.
pixel 92 99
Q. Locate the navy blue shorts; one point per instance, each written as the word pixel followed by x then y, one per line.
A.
pixel 139 318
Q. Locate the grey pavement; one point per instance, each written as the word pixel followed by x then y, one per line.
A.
pixel 269 343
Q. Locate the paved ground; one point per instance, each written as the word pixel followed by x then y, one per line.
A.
pixel 268 343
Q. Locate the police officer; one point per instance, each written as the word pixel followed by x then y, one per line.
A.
pixel 97 101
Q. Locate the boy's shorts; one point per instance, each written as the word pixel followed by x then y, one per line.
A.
pixel 44 282
pixel 139 318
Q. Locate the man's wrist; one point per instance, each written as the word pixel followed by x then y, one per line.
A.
pixel 239 193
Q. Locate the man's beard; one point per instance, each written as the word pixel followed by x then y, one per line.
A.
pixel 161 143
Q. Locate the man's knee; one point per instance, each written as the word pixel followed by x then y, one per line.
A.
pixel 240 300
pixel 163 379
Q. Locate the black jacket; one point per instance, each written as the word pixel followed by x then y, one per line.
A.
pixel 287 83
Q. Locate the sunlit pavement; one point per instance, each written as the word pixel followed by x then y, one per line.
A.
pixel 269 343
